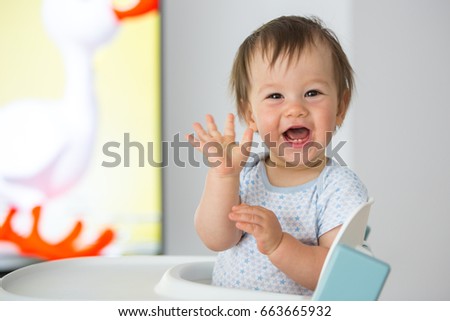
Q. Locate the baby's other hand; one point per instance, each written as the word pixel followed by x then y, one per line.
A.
pixel 225 156
pixel 261 223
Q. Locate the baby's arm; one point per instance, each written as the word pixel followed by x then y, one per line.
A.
pixel 217 232
pixel 221 189
pixel 300 262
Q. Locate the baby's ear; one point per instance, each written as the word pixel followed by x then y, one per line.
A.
pixel 342 108
pixel 249 120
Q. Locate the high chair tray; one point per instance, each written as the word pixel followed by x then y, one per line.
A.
pixel 123 278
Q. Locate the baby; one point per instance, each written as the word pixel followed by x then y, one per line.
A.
pixel 274 219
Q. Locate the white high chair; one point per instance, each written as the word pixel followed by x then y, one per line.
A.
pixel 350 272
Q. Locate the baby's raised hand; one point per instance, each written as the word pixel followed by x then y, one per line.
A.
pixel 225 156
pixel 261 223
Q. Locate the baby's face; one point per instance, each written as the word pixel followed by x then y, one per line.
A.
pixel 295 104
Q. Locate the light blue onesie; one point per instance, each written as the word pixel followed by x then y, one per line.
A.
pixel 306 212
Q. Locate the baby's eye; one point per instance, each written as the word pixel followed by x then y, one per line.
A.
pixel 312 93
pixel 275 96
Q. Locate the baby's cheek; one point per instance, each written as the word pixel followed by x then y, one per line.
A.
pixel 269 138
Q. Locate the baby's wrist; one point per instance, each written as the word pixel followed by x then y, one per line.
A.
pixel 223 175
pixel 278 245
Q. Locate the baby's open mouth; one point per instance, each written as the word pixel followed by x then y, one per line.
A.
pixel 297 135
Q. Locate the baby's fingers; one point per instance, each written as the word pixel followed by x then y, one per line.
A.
pixel 229 126
pixel 194 142
pixel 246 227
pixel 201 132
pixel 247 137
pixel 246 141
pixel 212 127
pixel 246 217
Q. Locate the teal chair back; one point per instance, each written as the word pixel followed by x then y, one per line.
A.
pixel 350 271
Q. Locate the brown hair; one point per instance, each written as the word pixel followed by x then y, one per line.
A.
pixel 287 35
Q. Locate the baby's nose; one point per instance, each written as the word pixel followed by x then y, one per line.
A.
pixel 296 109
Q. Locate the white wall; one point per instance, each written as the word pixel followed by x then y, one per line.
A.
pixel 402 113
pixel 396 133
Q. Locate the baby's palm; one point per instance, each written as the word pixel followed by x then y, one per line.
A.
pixel 225 156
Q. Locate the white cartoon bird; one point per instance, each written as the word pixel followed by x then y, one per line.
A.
pixel 47 145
